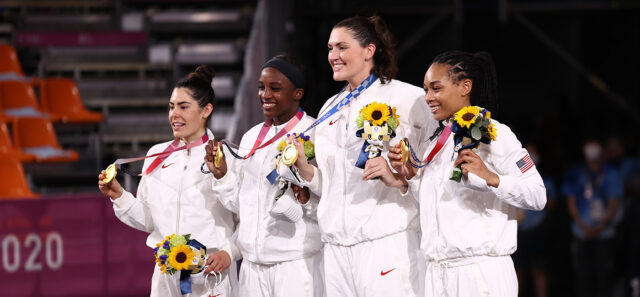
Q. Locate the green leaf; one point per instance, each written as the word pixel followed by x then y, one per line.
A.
pixel 475 133
pixel 360 120
pixel 393 123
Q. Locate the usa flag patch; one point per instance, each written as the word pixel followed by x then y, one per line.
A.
pixel 525 163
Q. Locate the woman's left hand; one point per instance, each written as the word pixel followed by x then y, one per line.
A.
pixel 300 193
pixel 471 162
pixel 218 262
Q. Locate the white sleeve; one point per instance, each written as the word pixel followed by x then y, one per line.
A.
pixel 227 188
pixel 520 183
pixel 231 248
pixel 292 175
pixel 132 211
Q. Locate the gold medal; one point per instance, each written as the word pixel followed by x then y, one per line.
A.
pixel 405 150
pixel 111 172
pixel 218 157
pixel 289 154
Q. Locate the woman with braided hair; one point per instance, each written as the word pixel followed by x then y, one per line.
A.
pixel 469 227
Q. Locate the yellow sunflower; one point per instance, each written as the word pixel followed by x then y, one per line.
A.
pixel 467 116
pixel 180 257
pixel 376 113
pixel 492 131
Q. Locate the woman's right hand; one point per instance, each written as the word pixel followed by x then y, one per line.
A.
pixel 211 149
pixel 404 168
pixel 112 189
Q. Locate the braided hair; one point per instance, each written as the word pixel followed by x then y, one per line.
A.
pixel 479 68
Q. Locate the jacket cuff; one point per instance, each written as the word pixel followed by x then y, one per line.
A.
pixel 225 182
pixel 124 203
pixel 504 188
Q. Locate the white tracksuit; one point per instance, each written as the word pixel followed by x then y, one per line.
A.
pixel 369 229
pixel 176 198
pixel 468 228
pixel 281 258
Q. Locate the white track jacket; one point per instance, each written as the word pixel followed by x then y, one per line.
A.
pixel 469 218
pixel 176 198
pixel 245 190
pixel 352 210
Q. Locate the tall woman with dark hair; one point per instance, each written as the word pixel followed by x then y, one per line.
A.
pixel 469 227
pixel 371 231
pixel 175 197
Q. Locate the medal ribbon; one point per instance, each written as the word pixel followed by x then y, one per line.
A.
pixel 263 133
pixel 441 141
pixel 345 101
pixel 164 154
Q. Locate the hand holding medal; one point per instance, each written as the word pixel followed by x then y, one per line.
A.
pixel 108 184
pixel 399 158
pixel 214 158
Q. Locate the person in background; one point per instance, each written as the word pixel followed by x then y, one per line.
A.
pixel 593 190
pixel 530 259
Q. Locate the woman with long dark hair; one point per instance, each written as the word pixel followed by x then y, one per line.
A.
pixel 371 232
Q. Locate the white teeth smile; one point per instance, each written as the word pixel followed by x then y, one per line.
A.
pixel 178 124
pixel 338 67
pixel 268 105
pixel 434 108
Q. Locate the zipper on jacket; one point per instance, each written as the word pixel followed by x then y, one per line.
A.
pixel 180 193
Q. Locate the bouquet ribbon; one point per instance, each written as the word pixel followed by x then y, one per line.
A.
pixel 185 275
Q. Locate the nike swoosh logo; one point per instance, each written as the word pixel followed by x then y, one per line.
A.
pixel 382 273
pixel 167 165
pixel 333 122
pixel 217 295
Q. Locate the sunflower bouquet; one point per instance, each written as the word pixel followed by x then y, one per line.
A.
pixel 471 126
pixel 180 253
pixel 309 152
pixel 376 124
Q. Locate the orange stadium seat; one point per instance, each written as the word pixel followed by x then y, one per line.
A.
pixel 7 148
pixel 13 183
pixel 35 136
pixel 9 60
pixel 61 99
pixel 19 100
